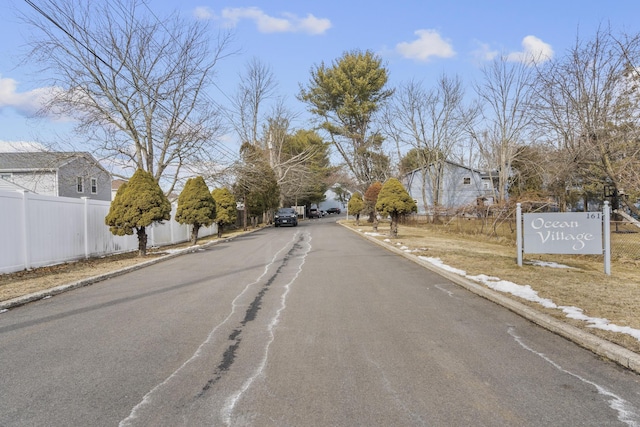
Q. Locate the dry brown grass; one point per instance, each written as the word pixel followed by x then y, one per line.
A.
pixel 584 285
pixel 25 282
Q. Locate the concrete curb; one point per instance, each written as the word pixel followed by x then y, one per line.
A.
pixel 47 293
pixel 597 345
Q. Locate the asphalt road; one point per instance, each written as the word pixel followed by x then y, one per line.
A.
pixel 303 326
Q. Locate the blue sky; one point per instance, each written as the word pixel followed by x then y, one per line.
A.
pixel 417 39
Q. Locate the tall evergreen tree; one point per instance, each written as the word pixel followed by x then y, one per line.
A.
pixel 256 184
pixel 346 97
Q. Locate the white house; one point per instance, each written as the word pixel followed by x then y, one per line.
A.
pixel 331 201
pixel 61 174
pixel 460 186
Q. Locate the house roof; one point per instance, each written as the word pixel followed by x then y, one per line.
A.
pixel 39 161
pixel 478 171
pixel 117 183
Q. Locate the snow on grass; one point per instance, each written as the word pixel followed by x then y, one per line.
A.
pixel 527 293
pixel 438 263
pixel 547 264
pixel 598 323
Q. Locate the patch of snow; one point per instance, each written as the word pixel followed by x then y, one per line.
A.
pixel 527 293
pixel 547 264
pixel 173 251
pixel 524 292
pixel 438 263
pixel 599 323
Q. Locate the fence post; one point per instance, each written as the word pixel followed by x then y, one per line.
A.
pixel 607 238
pixel 86 227
pixel 152 235
pixel 171 232
pixel 519 232
pixel 25 229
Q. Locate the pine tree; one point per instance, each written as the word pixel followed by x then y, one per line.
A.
pixel 226 208
pixel 394 201
pixel 196 206
pixel 138 204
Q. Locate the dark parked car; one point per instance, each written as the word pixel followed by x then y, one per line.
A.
pixel 333 210
pixel 286 216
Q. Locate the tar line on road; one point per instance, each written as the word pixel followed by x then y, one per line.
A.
pixel 181 397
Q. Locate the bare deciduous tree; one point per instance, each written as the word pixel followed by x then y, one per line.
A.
pixel 587 101
pixel 257 85
pixel 135 83
pixel 504 93
pixel 434 123
pixel 272 131
pixel 293 157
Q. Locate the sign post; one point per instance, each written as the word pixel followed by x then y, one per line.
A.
pixel 519 232
pixel 607 238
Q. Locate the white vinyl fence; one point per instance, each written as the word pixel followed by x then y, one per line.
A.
pixel 37 230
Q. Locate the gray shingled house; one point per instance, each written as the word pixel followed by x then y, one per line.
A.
pixel 459 186
pixel 62 174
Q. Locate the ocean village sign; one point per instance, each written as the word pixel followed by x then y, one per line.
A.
pixel 580 233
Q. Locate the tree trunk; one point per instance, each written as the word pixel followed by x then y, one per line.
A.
pixel 393 232
pixel 357 220
pixel 142 241
pixel 194 234
pixel 219 230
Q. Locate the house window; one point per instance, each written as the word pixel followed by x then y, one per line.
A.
pixel 94 186
pixel 466 181
pixel 80 184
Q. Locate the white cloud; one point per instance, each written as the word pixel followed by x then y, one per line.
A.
pixel 289 23
pixel 24 102
pixel 534 51
pixel 20 146
pixel 429 44
pixel 203 13
pixel 28 103
pixel 484 52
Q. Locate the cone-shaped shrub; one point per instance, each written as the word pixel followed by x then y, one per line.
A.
pixel 196 206
pixel 138 204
